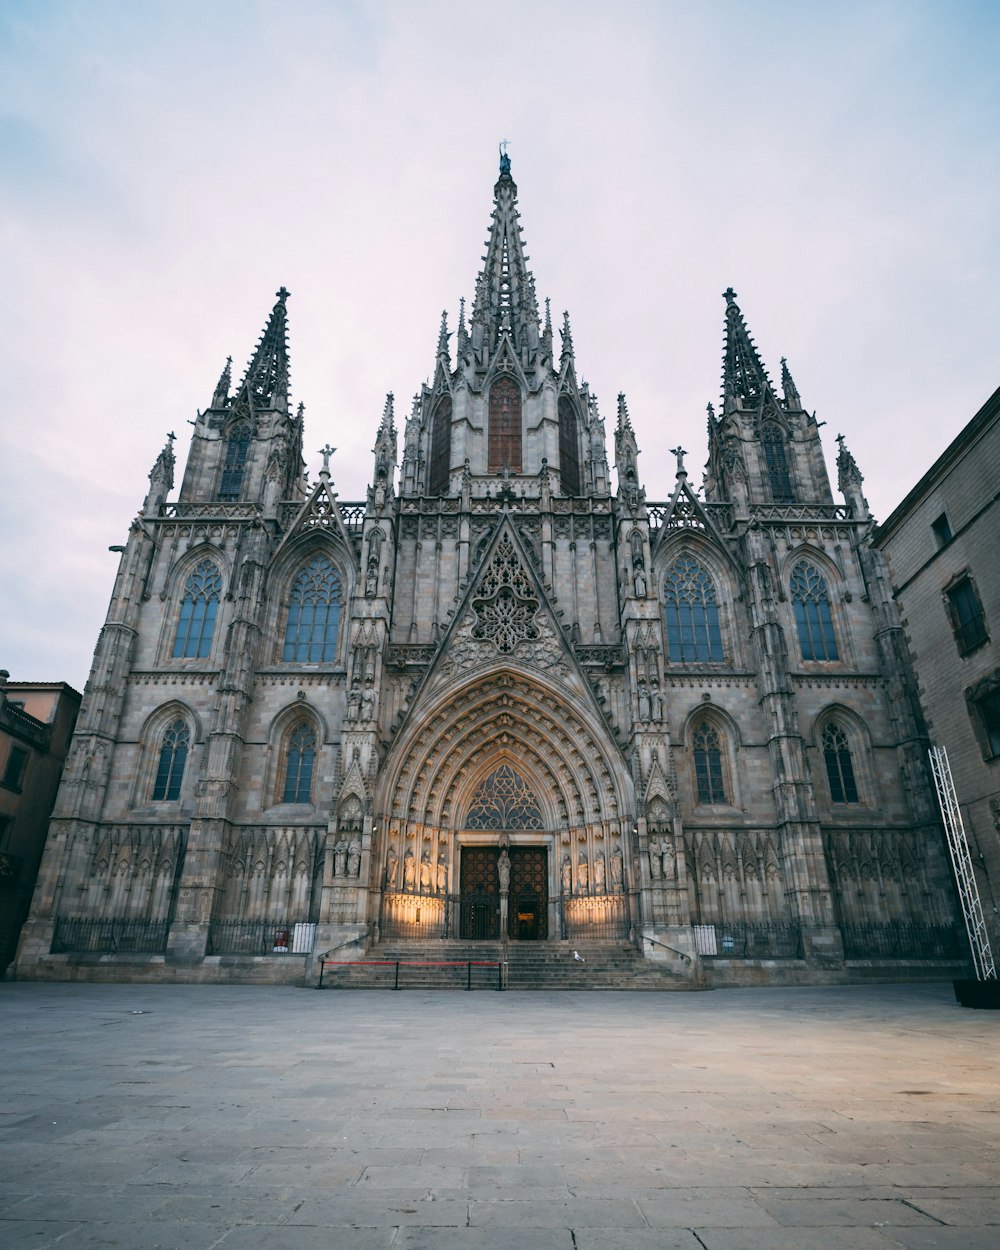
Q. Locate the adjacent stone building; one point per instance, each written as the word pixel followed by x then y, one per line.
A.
pixel 36 724
pixel 504 697
pixel 942 543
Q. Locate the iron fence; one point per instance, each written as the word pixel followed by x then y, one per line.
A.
pixel 902 941
pixel 743 940
pixel 597 917
pixel 105 935
pixel 260 937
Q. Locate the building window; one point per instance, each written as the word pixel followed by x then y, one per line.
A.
pixel 299 759
pixel 966 613
pixel 776 460
pixel 813 619
pixel 13 773
pixel 693 632
pixel 440 449
pixel 983 701
pixel 569 448
pixel 504 440
pixel 989 714
pixel 237 450
pixel 941 530
pixel 313 614
pixel 173 757
pixel 839 766
pixel 199 607
pixel 709 780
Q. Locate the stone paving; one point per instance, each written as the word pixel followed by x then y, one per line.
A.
pixel 189 1117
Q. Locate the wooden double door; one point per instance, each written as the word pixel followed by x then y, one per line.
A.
pixel 528 898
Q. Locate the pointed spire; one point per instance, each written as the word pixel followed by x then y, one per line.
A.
pixel 849 480
pixel 221 396
pixel 789 390
pixel 443 352
pixel 266 379
pixel 161 479
pixel 387 426
pixel 462 337
pixel 567 340
pixel 744 378
pixel 626 451
pixel 505 293
pixel 624 421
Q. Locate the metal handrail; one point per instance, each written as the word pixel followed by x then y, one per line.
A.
pixel 673 950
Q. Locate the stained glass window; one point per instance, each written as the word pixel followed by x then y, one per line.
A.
pixel 299 758
pixel 811 603
pixel 504 440
pixel 173 756
pixel 196 622
pixel 839 767
pixel 313 614
pixel 440 449
pixel 693 633
pixel 569 448
pixel 776 460
pixel 237 450
pixel 504 801
pixel 709 779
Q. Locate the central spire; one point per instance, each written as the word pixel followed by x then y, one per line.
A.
pixel 505 304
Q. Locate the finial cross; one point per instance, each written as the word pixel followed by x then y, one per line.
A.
pixel 326 452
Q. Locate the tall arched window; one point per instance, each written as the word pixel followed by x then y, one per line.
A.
pixel 504 440
pixel 839 766
pixel 237 450
pixel 173 756
pixel 313 614
pixel 811 602
pixel 300 755
pixel 440 449
pixel 709 778
pixel 776 460
pixel 199 607
pixel 693 633
pixel 569 448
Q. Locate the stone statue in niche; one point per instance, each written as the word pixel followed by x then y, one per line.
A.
pixel 644 703
pixel 655 866
pixel 617 869
pixel 567 875
pixel 582 873
pixel 391 867
pixel 503 871
pixel 598 874
pixel 656 703
pixel 425 872
pixel 442 872
pixel 354 857
pixel 669 859
pixel 368 706
pixel 409 871
pixel 354 702
pixel 340 858
pixel 371 578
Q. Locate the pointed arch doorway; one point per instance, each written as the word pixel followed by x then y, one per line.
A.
pixel 504 882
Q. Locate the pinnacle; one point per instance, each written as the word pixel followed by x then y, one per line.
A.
pixel 624 421
pixel 744 377
pixel 266 377
pixel 388 423
pixel 223 385
pixel 443 336
pixel 567 336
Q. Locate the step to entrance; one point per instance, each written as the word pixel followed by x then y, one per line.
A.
pixel 456 965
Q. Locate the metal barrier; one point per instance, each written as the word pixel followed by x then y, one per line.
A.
pixel 597 917
pixel 260 937
pixel 106 935
pixel 903 941
pixel 743 940
pixel 396 964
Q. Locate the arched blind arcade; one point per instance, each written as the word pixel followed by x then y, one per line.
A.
pixel 504 440
pixel 569 447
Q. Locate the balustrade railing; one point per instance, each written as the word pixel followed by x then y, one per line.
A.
pixel 107 935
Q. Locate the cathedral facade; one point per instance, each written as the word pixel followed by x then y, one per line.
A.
pixel 506 697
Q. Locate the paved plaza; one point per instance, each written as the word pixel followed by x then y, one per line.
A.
pixel 192 1117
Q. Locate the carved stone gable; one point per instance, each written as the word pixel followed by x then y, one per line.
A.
pixel 505 605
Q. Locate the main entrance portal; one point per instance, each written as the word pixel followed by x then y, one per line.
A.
pixel 528 900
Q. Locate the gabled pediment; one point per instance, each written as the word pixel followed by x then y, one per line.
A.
pixel 319 514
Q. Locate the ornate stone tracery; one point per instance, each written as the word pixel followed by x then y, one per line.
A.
pixel 503 800
pixel 505 604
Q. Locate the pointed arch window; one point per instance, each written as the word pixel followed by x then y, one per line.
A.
pixel 813 619
pixel 504 800
pixel 313 614
pixel 440 449
pixel 694 635
pixel 237 450
pixel 839 765
pixel 569 447
pixel 708 772
pixel 170 767
pixel 776 461
pixel 199 607
pixel 300 755
pixel 504 439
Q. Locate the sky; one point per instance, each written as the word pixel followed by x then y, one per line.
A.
pixel 165 167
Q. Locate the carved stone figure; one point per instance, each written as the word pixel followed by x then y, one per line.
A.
pixel 354 857
pixel 391 867
pixel 655 865
pixel 669 859
pixel 644 703
pixel 425 873
pixel 371 579
pixel 599 874
pixel 409 871
pixel 340 858
pixel 368 706
pixel 503 871
pixel 354 702
pixel 617 869
pixel 582 873
pixel 442 872
pixel 567 875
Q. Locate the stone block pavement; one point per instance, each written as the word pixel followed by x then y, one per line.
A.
pixel 190 1117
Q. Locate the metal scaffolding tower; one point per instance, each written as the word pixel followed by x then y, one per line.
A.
pixel 958 848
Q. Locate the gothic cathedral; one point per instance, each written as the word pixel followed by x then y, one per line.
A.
pixel 504 698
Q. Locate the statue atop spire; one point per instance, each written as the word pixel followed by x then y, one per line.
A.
pixel 504 159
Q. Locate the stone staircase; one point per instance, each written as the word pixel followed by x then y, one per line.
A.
pixel 456 965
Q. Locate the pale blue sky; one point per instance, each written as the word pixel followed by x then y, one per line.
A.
pixel 165 167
